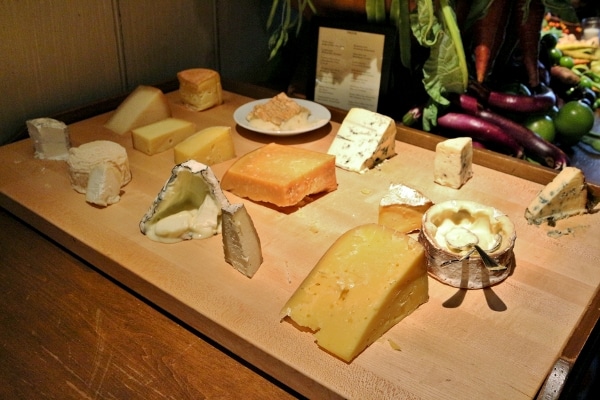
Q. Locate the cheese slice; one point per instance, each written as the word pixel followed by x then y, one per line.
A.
pixel 162 135
pixel 200 88
pixel 402 208
pixel 143 106
pixel 50 138
pixel 453 165
pixel 209 146
pixel 280 175
pixel 104 185
pixel 83 159
pixel 187 207
pixel 241 242
pixel 364 139
pixel 567 195
pixel 368 280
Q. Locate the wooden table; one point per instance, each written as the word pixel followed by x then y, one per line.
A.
pixel 496 343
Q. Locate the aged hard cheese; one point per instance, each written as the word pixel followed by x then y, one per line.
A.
pixel 187 207
pixel 50 138
pixel 367 281
pixel 145 105
pixel 162 135
pixel 364 139
pixel 209 146
pixel 200 88
pixel 241 242
pixel 453 162
pixel 281 175
pixel 402 208
pixel 567 195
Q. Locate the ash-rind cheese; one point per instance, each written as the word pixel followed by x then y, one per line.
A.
pixel 453 165
pixel 364 139
pixel 50 138
pixel 567 195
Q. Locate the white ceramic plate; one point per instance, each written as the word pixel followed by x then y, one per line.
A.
pixel 319 116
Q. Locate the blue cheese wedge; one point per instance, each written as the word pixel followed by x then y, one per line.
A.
pixel 50 138
pixel 453 165
pixel 567 195
pixel 364 139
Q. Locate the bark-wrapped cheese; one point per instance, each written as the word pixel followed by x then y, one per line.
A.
pixel 449 232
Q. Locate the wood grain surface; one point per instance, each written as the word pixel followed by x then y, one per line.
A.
pixel 495 343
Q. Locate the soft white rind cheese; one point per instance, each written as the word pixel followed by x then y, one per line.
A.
pixel 104 185
pixel 364 139
pixel 50 138
pixel 241 242
pixel 453 165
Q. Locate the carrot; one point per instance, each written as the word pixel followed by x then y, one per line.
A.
pixel 529 15
pixel 488 35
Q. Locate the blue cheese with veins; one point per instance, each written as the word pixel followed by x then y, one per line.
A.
pixel 364 139
pixel 187 207
pixel 453 164
pixel 567 195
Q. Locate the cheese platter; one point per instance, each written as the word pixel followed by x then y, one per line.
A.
pixel 497 342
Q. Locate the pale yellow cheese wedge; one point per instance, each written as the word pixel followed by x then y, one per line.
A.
pixel 162 135
pixel 209 146
pixel 370 279
pixel 145 105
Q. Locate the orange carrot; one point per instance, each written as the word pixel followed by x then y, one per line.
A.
pixel 529 23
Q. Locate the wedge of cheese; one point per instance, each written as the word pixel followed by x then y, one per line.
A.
pixel 241 242
pixel 143 106
pixel 453 165
pixel 104 185
pixel 280 175
pixel 50 138
pixel 162 135
pixel 187 207
pixel 368 280
pixel 364 139
pixel 567 195
pixel 402 208
pixel 209 146
pixel 200 88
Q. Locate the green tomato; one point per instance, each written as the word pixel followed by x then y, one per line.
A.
pixel 566 61
pixel 585 82
pixel 573 120
pixel 555 54
pixel 543 126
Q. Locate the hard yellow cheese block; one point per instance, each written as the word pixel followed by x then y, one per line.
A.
pixel 200 88
pixel 161 135
pixel 369 279
pixel 209 146
pixel 145 105
pixel 281 175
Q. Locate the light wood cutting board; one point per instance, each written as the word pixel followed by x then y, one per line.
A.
pixel 496 343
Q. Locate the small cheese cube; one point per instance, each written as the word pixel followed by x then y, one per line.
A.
pixel 402 208
pixel 364 139
pixel 453 165
pixel 209 146
pixel 143 106
pixel 281 175
pixel 370 279
pixel 200 88
pixel 162 135
pixel 50 138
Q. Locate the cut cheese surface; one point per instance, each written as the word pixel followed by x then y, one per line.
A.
pixel 145 105
pixel 209 146
pixel 200 88
pixel 104 185
pixel 162 135
pixel 241 242
pixel 566 196
pixel 280 175
pixel 402 208
pixel 364 139
pixel 368 280
pixel 453 162
pixel 50 138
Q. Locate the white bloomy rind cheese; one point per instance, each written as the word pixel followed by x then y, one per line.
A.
pixel 143 106
pixel 100 167
pixel 187 207
pixel 50 138
pixel 368 280
pixel 162 135
pixel 209 146
pixel 453 165
pixel 241 242
pixel 364 139
pixel 567 195
pixel 200 88
pixel 402 208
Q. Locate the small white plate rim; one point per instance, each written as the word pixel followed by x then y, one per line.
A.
pixel 318 113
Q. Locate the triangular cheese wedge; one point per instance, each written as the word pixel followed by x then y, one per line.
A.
pixel 241 242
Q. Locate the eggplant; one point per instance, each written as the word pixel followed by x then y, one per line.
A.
pixel 542 99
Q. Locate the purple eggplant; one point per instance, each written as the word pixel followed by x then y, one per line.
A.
pixel 541 100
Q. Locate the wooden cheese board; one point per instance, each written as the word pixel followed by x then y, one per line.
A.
pixel 500 342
